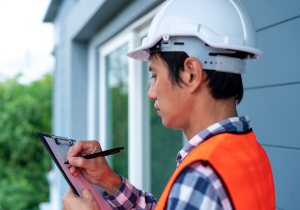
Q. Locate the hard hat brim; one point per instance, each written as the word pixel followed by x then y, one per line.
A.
pixel 142 53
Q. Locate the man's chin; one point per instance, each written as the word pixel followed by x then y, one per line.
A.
pixel 166 123
pixel 170 124
pixel 158 113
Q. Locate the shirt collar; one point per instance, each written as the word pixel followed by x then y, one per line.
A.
pixel 237 124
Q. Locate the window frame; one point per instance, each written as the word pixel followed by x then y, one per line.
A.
pixel 139 165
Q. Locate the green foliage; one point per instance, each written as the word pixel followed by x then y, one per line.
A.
pixel 165 142
pixel 165 145
pixel 24 162
pixel 117 68
pixel 119 117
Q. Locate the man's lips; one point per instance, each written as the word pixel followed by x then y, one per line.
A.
pixel 158 110
pixel 156 107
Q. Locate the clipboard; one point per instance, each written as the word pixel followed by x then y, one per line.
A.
pixel 58 148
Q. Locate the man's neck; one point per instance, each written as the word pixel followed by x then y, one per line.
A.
pixel 212 111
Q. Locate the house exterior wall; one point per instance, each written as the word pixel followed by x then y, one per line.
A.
pixel 60 97
pixel 272 84
pixel 125 17
pixel 271 97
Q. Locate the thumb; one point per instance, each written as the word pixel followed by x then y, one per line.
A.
pixel 86 193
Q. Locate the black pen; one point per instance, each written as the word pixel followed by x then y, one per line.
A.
pixel 103 153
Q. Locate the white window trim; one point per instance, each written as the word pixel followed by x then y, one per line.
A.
pixel 139 171
pixel 135 114
pixel 138 127
pixel 103 113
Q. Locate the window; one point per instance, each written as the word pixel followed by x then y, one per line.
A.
pixel 117 80
pixel 165 145
pixel 127 116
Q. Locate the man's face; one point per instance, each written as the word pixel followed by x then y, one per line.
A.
pixel 169 98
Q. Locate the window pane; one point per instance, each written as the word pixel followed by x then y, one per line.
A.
pixel 165 145
pixel 117 72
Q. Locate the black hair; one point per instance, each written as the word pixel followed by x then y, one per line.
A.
pixel 222 85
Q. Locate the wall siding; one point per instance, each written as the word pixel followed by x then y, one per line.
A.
pixel 272 87
pixel 61 95
pixel 281 48
pixel 274 114
pixel 286 176
pixel 268 12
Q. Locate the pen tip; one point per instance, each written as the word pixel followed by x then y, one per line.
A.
pixel 67 162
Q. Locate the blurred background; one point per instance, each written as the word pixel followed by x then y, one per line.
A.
pixel 63 71
pixel 26 75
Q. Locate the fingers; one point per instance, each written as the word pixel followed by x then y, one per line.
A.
pixel 86 193
pixel 69 152
pixel 73 170
pixel 80 162
pixel 69 194
pixel 69 200
pixel 83 148
pixel 76 173
pixel 76 163
pixel 88 147
pixel 69 190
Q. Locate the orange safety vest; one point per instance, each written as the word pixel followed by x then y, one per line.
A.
pixel 241 164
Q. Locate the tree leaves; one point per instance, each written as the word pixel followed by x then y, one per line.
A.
pixel 24 162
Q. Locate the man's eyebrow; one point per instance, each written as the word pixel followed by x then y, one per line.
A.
pixel 150 68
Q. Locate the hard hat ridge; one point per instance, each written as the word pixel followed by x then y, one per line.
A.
pixel 209 57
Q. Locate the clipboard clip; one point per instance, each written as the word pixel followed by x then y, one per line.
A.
pixel 71 142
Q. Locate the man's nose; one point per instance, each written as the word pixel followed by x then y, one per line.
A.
pixel 152 91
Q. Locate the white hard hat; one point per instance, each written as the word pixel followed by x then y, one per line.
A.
pixel 212 31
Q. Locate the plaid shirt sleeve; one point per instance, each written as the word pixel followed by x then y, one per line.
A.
pixel 198 187
pixel 128 197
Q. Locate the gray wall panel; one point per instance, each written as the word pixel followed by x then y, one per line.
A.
pixel 268 12
pixel 81 14
pixel 286 174
pixel 102 16
pixel 274 114
pixel 280 63
pixel 130 14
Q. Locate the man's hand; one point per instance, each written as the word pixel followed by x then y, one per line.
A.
pixel 87 202
pixel 96 170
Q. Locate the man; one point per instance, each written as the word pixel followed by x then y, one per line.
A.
pixel 196 50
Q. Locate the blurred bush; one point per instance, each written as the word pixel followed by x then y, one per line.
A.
pixel 165 145
pixel 24 162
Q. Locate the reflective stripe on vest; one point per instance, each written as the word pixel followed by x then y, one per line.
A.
pixel 242 165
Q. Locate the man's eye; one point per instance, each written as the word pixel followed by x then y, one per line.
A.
pixel 153 77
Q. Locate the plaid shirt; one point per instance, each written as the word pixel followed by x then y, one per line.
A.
pixel 197 187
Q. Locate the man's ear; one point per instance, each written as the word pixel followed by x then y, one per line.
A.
pixel 192 74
